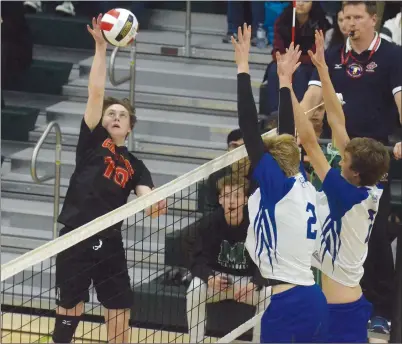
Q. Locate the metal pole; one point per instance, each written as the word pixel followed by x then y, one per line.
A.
pixel 188 30
pixel 133 53
pixel 57 183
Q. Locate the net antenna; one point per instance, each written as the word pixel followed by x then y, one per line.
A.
pixel 72 238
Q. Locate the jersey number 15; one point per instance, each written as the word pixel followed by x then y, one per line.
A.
pixel 311 234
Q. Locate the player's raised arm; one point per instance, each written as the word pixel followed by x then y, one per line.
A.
pixel 333 107
pixel 287 64
pixel 97 76
pixel 247 111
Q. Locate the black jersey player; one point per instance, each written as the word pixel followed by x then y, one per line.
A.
pixel 104 176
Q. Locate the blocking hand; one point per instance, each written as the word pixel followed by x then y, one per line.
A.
pixel 242 46
pixel 318 58
pixel 288 63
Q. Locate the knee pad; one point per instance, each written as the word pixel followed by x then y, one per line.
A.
pixel 64 328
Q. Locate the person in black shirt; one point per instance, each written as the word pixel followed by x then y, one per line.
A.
pixel 221 266
pixel 104 176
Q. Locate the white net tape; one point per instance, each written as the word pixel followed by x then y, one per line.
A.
pixel 72 238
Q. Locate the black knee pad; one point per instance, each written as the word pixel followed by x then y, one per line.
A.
pixel 64 328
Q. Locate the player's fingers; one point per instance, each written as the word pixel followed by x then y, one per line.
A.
pixel 93 22
pixel 234 42
pixel 99 19
pixel 239 35
pixel 296 66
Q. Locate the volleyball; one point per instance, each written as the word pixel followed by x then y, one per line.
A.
pixel 119 27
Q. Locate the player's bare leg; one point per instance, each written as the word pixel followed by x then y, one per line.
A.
pixel 117 322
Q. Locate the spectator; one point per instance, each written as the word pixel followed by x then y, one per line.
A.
pixel 236 16
pixel 309 17
pixel 338 34
pixel 391 31
pixel 64 8
pixel 221 267
pixel 367 71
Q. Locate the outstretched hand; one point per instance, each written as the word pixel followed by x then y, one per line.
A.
pixel 318 59
pixel 288 63
pixel 242 46
pixel 96 32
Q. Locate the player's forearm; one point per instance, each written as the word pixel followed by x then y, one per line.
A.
pixel 333 106
pixel 97 76
pixel 248 117
pixel 285 107
pixel 303 125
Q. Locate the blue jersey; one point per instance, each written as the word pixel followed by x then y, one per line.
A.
pixel 346 213
pixel 283 224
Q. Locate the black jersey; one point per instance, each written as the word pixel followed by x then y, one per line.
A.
pixel 368 83
pixel 104 176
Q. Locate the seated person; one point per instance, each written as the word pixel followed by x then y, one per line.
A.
pixel 309 17
pixel 221 266
pixel 211 195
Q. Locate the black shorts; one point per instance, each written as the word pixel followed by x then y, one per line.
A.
pixel 99 260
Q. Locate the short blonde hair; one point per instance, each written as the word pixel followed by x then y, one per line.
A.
pixel 285 151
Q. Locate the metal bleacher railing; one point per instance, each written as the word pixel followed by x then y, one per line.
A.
pixel 56 175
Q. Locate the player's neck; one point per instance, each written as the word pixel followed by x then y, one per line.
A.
pixel 362 44
pixel 302 18
pixel 119 141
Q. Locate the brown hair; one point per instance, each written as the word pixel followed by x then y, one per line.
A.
pixel 285 151
pixel 109 101
pixel 371 6
pixel 369 158
pixel 233 179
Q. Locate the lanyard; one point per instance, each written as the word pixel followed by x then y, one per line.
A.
pixel 349 55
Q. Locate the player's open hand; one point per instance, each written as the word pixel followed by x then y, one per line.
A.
pixel 96 32
pixel 242 46
pixel 288 63
pixel 398 151
pixel 318 58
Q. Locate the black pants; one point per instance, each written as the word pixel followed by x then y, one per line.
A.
pixel 378 282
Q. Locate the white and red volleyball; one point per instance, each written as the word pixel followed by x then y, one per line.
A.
pixel 119 27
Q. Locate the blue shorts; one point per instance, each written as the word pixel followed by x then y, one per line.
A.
pixel 348 321
pixel 298 315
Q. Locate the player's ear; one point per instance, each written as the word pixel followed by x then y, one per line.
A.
pixel 374 18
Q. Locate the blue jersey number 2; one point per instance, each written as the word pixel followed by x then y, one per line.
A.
pixel 311 234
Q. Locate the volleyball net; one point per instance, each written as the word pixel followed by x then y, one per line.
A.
pixel 168 301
